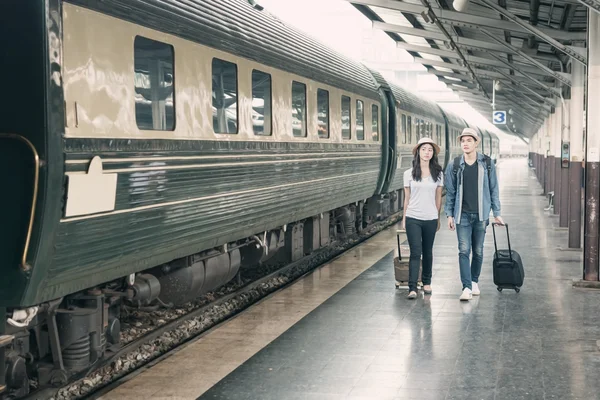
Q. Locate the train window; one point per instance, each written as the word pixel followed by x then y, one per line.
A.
pixel 154 80
pixel 261 103
pixel 404 137
pixel 298 109
pixel 323 112
pixel 346 115
pixel 417 129
pixel 409 128
pixel 375 122
pixel 360 120
pixel 224 96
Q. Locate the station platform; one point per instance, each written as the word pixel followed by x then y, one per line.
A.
pixel 346 332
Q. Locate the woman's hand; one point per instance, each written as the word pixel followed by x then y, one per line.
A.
pixel 439 225
pixel 403 226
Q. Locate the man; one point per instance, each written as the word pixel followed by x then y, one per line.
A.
pixel 471 192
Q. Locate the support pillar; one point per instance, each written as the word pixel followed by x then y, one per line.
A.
pixel 576 144
pixel 551 168
pixel 592 187
pixel 563 221
pixel 546 144
pixel 556 143
pixel 540 153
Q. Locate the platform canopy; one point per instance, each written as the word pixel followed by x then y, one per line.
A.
pixel 523 48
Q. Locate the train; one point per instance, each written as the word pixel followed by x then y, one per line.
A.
pixel 150 150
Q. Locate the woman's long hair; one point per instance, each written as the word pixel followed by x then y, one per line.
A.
pixel 434 166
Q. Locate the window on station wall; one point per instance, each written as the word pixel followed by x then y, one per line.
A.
pixel 154 79
pixel 224 96
pixel 298 109
pixel 404 132
pixel 261 103
pixel 346 115
pixel 323 113
pixel 360 120
pixel 409 128
pixel 375 122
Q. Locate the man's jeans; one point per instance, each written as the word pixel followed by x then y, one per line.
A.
pixel 471 234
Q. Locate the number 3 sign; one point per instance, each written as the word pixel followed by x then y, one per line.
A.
pixel 499 117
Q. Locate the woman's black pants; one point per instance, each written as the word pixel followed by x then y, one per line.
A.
pixel 421 235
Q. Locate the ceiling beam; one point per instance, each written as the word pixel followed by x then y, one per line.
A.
pixel 461 42
pixel 562 77
pixel 591 4
pixel 482 61
pixel 531 78
pixel 572 52
pixel 549 101
pixel 441 64
pixel 468 20
pixel 506 98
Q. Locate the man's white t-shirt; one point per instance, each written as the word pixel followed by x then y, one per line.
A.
pixel 421 204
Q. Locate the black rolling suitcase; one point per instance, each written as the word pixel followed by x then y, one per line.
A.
pixel 508 267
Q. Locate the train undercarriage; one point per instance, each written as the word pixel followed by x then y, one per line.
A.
pixel 53 343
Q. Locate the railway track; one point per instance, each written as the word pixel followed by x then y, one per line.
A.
pixel 148 343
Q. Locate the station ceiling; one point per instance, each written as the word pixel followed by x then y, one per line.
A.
pixel 526 46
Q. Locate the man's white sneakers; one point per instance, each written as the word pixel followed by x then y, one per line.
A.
pixel 466 295
pixel 475 289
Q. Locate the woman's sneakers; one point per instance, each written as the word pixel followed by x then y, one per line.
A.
pixel 427 289
pixel 475 289
pixel 412 295
pixel 466 295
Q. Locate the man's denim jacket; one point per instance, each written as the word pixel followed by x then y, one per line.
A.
pixel 488 196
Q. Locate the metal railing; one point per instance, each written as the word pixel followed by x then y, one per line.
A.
pixel 36 159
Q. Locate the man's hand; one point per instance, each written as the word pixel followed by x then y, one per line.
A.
pixel 499 220
pixel 403 225
pixel 439 225
pixel 451 223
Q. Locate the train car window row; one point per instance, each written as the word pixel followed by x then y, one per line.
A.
pixel 154 84
pixel 261 103
pixel 155 98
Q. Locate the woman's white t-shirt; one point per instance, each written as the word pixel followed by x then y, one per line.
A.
pixel 421 204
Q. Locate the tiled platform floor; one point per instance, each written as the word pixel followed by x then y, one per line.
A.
pixel 344 333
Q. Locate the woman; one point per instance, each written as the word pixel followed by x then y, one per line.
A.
pixel 422 203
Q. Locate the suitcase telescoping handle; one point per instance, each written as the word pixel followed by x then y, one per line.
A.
pixel 507 236
pixel 398 232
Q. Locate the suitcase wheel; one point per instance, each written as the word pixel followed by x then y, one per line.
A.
pixel 516 289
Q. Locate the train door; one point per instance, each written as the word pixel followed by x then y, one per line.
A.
pixel 391 147
pixel 30 131
pixel 388 141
